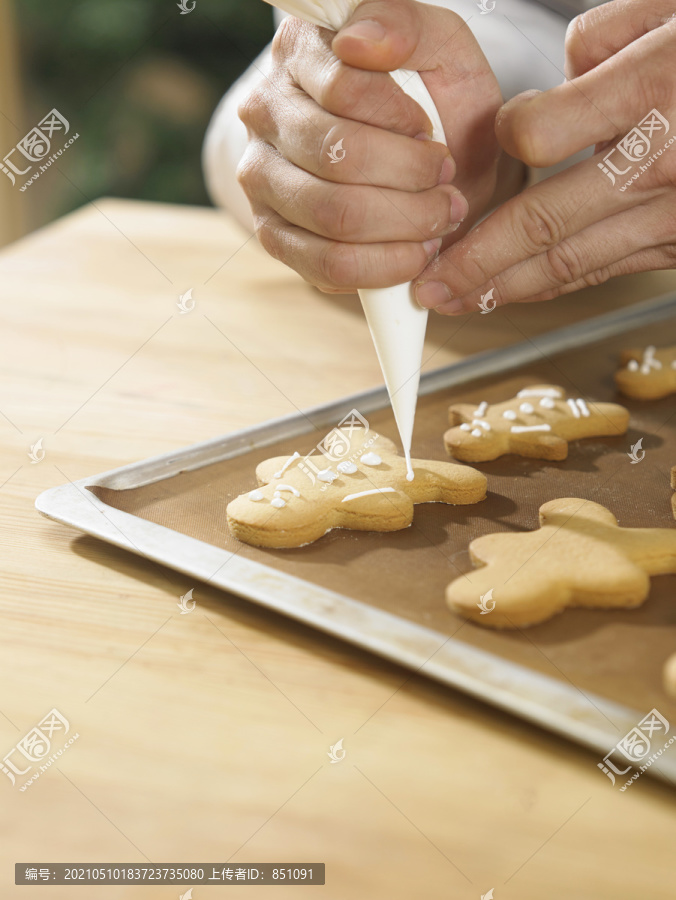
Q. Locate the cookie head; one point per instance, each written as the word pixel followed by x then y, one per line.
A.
pixel 648 374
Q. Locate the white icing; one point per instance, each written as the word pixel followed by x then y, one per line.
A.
pixel 256 496
pixel 347 468
pixel 465 427
pixel 649 362
pixel 578 407
pixel 673 363
pixel 410 475
pixel 481 409
pixel 520 429
pixel 540 392
pixel 286 465
pixel 370 459
pixel 632 365
pixel 278 502
pixel 287 487
pixel 509 414
pixel 482 424
pixel 547 403
pixel 477 432
pixel 327 475
pixel 386 490
pixel 526 408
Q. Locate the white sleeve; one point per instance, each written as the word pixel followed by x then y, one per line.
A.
pixel 522 40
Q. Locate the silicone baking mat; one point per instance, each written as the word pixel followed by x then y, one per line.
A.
pixel 617 654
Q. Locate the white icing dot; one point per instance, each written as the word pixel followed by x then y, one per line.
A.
pixel 632 365
pixel 481 409
pixel 477 432
pixel 465 427
pixel 256 496
pixel 287 487
pixel 278 502
pixel 547 402
pixel 327 475
pixel 371 459
pixel 347 468
pixel 276 495
pixel 526 408
pixel 509 414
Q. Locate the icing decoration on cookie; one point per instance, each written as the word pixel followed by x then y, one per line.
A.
pixel 385 490
pixel 255 496
pixel 540 432
pixel 481 409
pixel 327 475
pixel 287 487
pixel 648 374
pixel 347 467
pixel 370 459
pixel 286 465
pixel 579 556
pixel 384 498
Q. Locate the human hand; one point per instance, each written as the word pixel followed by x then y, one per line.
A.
pixel 376 218
pixel 578 228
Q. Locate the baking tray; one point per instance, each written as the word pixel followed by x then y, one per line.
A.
pixel 589 675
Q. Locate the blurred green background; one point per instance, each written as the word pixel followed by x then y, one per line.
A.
pixel 139 82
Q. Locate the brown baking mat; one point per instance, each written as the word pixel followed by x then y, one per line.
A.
pixel 618 654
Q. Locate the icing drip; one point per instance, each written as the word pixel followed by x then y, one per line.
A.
pixel 327 475
pixel 371 459
pixel 520 429
pixel 509 414
pixel 578 407
pixel 347 468
pixel 526 408
pixel 256 496
pixel 540 392
pixel 632 365
pixel 278 503
pixel 386 490
pixel 286 465
pixel 547 403
pixel 287 487
pixel 481 409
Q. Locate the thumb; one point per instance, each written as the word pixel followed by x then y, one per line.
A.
pixel 384 35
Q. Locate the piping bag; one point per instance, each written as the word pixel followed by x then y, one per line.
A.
pixel 396 322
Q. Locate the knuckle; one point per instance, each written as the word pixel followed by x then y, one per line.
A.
pixel 338 265
pixel 564 264
pixel 249 171
pixel 539 225
pixel 600 276
pixel 343 89
pixel 341 215
pixel 254 111
pixel 285 40
pixel 576 39
pixel 268 237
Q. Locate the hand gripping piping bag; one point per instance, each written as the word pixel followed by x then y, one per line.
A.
pixel 396 322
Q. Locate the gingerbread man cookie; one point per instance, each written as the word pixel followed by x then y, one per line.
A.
pixel 669 676
pixel 367 491
pixel 579 557
pixel 648 374
pixel 539 422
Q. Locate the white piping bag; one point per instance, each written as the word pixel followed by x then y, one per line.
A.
pixel 396 321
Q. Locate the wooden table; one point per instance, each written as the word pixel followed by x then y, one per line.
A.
pixel 204 737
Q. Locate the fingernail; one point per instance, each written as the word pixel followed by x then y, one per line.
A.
pixel 447 173
pixel 459 208
pixel 365 30
pixel 453 308
pixel 432 248
pixel 430 294
pixel 423 136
